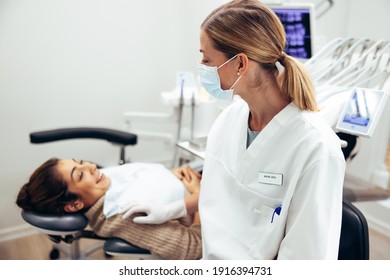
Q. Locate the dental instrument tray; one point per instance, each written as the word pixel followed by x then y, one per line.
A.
pixel 198 143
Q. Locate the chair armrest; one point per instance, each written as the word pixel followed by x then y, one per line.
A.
pixel 111 135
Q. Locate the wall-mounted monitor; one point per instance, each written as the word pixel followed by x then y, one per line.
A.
pixel 362 111
pixel 298 21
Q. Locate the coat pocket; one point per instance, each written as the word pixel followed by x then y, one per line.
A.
pixel 266 235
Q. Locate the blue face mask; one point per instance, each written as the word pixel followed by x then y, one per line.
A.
pixel 210 81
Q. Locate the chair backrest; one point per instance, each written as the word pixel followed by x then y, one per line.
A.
pixel 354 239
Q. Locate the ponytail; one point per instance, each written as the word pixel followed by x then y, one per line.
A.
pixel 296 83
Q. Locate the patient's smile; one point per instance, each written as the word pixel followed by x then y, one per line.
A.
pixel 101 177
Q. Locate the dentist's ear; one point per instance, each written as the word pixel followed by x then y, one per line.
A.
pixel 244 63
pixel 74 206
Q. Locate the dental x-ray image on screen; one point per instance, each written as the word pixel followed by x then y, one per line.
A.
pixel 297 20
pixel 362 111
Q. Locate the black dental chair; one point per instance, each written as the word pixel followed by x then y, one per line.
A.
pixel 73 227
pixel 354 239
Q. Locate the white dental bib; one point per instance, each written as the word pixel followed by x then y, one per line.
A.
pixel 141 182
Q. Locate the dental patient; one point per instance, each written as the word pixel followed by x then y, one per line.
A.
pixel 108 196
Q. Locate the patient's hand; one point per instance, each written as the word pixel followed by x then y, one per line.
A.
pixel 192 181
pixel 184 172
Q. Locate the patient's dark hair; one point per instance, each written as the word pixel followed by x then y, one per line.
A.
pixel 45 191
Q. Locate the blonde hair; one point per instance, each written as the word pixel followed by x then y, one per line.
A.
pixel 250 27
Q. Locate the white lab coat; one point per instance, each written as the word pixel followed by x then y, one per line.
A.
pixel 302 169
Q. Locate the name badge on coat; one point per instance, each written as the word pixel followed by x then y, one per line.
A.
pixel 270 178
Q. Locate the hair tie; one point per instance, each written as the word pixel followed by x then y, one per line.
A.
pixel 282 58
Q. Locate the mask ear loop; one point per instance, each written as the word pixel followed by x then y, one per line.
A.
pixel 237 72
pixel 236 81
pixel 227 61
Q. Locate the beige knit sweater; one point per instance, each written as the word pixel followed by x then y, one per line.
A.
pixel 176 239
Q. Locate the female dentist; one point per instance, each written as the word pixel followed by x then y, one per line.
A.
pixel 274 170
pixel 273 175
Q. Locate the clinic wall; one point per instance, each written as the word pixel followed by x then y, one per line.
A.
pixel 84 63
pixel 369 19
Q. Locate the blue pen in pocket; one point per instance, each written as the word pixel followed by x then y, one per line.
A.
pixel 276 211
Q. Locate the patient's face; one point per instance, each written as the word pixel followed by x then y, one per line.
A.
pixel 84 179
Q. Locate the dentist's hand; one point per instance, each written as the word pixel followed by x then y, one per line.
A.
pixel 155 214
